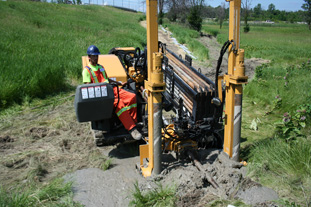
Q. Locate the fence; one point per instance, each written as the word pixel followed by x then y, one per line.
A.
pixel 137 5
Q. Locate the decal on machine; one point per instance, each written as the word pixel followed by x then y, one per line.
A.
pixel 97 92
pixel 104 91
pixel 91 92
pixel 84 93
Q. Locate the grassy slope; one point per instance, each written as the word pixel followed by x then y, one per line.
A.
pixel 40 51
pixel 279 87
pixel 42 44
pixel 188 37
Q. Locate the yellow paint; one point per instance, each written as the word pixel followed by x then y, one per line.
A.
pixel 153 85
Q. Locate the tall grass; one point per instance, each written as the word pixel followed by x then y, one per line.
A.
pixel 189 37
pixel 42 44
pixel 55 193
pixel 286 166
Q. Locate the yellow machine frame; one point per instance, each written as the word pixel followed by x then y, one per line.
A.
pixel 233 82
pixel 155 85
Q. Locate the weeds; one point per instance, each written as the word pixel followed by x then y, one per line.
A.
pixel 291 125
pixel 106 164
pixel 160 196
pixel 55 193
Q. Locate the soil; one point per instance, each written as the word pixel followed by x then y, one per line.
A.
pixel 39 142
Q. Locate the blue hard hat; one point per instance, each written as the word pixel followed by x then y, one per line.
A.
pixel 93 50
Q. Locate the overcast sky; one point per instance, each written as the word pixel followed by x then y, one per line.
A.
pixel 287 5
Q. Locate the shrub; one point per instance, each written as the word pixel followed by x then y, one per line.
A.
pixel 194 19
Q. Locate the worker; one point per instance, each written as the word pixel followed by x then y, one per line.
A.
pixel 125 104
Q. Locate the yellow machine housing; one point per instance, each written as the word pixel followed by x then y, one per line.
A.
pixel 112 66
pixel 172 142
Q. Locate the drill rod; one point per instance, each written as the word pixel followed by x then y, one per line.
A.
pixel 200 168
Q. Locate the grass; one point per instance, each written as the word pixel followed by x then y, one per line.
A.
pixel 157 197
pixel 42 44
pixel 278 87
pixel 285 166
pixel 187 36
pixel 283 44
pixel 56 193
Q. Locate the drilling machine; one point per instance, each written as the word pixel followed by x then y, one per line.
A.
pixel 162 80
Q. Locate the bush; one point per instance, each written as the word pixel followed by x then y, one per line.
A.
pixel 246 28
pixel 194 19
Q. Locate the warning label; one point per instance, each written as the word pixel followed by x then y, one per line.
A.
pixel 84 93
pixel 97 92
pixel 104 91
pixel 91 92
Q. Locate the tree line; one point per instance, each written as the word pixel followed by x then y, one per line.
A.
pixel 192 12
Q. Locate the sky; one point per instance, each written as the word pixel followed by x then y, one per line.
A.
pixel 287 5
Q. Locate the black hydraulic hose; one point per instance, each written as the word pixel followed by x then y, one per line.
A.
pixel 222 52
pixel 142 55
pixel 137 49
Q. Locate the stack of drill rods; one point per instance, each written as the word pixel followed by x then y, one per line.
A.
pixel 190 77
pixel 188 103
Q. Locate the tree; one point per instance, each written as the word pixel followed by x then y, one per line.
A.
pixel 221 13
pixel 271 11
pixel 258 11
pixel 194 17
pixel 307 7
pixel 161 14
pixel 246 4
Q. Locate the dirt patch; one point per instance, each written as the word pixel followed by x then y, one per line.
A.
pixel 94 187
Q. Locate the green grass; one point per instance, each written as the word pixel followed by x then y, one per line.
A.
pixel 284 166
pixel 42 44
pixel 56 193
pixel 283 44
pixel 278 87
pixel 187 36
pixel 157 197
